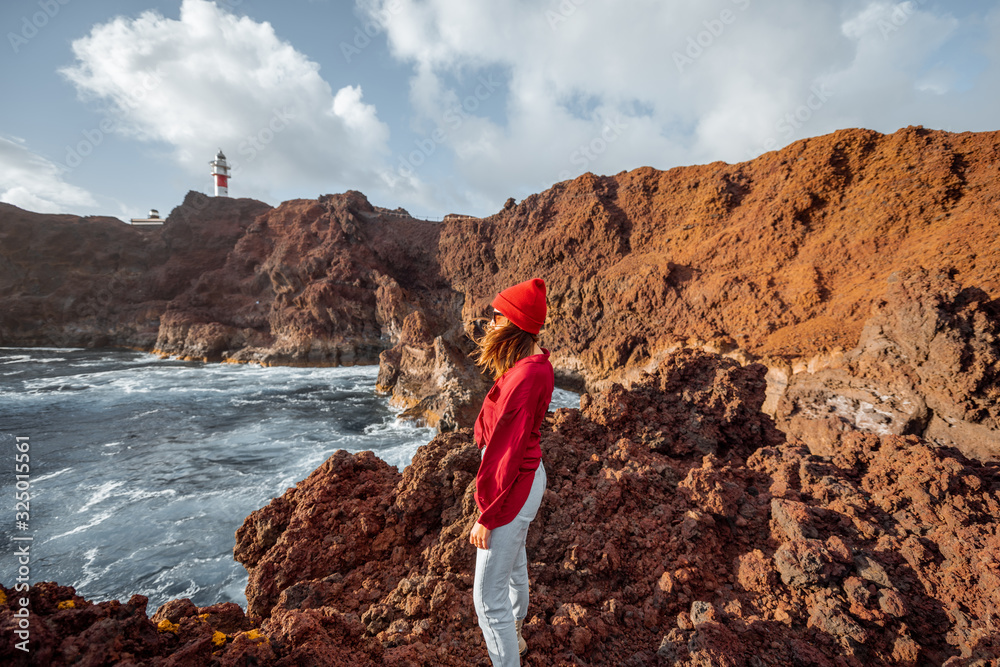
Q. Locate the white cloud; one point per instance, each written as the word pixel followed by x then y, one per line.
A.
pixel 212 79
pixel 508 96
pixel 35 183
pixel 686 82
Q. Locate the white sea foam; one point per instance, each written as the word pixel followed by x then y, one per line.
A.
pixel 52 385
pixel 399 455
pixel 561 398
pixel 398 426
pixel 134 496
pixel 19 359
pixel 45 478
pixel 89 573
pixel 101 493
pixel 96 520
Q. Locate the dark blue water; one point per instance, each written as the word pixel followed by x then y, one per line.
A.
pixel 142 469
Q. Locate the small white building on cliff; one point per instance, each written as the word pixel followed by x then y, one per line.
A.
pixel 153 220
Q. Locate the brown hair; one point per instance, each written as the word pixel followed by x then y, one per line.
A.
pixel 502 347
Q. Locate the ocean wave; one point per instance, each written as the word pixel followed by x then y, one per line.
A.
pixel 95 521
pixel 399 455
pixel 48 476
pixel 20 359
pixel 101 493
pixel 89 574
pixel 38 388
pixel 561 398
pixel 196 448
pixel 33 350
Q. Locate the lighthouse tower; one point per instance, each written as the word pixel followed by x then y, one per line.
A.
pixel 220 169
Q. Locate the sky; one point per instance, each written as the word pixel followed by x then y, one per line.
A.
pixel 113 107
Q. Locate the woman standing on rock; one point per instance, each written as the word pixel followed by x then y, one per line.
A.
pixel 511 477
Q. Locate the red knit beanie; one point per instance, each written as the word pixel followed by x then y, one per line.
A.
pixel 524 304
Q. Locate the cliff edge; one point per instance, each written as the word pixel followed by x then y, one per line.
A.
pixel 678 527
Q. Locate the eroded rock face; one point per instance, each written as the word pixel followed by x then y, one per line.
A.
pixel 92 282
pixel 927 363
pixel 754 553
pixel 778 259
pixel 301 286
pixel 647 547
pixel 433 376
pixel 778 557
pixel 781 256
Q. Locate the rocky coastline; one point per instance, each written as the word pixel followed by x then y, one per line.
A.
pixel 679 526
pixel 780 261
pixel 787 452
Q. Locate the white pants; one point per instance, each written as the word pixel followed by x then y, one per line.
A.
pixel 500 590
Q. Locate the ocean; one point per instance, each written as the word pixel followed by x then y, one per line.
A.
pixel 141 469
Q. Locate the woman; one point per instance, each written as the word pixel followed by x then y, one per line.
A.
pixel 511 477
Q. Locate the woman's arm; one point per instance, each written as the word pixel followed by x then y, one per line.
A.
pixel 501 463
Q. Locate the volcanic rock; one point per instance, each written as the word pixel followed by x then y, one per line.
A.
pixel 780 256
pixel 779 260
pixel 637 533
pixel 92 282
pixel 299 287
pixel 646 548
pixel 927 363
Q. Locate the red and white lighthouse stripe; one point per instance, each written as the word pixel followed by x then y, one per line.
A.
pixel 220 169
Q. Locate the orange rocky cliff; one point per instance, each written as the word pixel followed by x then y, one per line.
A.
pixel 681 524
pixel 780 260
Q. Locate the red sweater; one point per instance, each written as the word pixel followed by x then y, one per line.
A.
pixel 508 427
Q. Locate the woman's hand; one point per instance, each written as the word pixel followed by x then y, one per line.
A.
pixel 480 536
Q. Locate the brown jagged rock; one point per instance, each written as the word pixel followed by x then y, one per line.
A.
pixel 612 475
pixel 781 256
pixel 778 557
pixel 758 553
pixel 927 363
pixel 91 282
pixel 301 286
pixel 347 494
pixel 67 629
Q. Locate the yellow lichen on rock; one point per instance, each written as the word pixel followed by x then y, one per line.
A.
pixel 166 626
pixel 255 635
pixel 219 638
pixel 66 604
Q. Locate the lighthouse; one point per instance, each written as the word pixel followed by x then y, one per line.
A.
pixel 220 169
